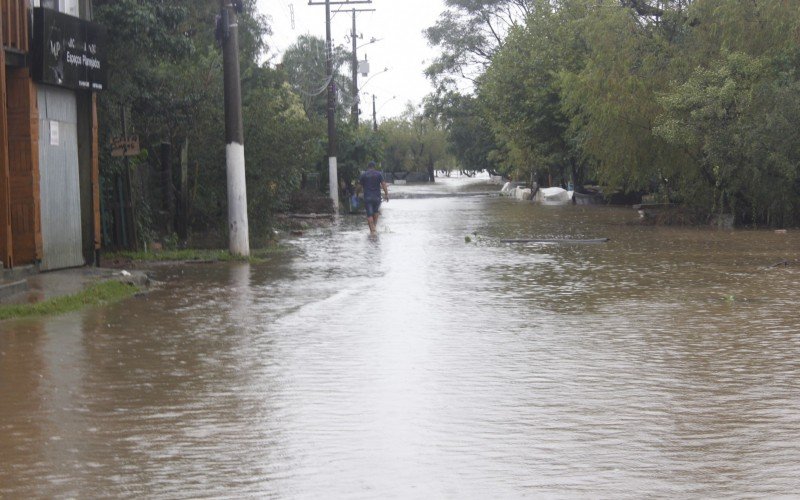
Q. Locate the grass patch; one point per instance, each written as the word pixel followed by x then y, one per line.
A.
pixel 189 254
pixel 169 255
pixel 99 293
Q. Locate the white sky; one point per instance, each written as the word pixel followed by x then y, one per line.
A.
pixel 398 24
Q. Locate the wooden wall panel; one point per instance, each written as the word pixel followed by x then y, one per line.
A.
pixel 6 249
pixel 23 149
pixel 15 24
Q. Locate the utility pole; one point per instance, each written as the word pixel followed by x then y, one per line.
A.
pixel 333 171
pixel 354 37
pixel 374 115
pixel 228 34
pixel 354 64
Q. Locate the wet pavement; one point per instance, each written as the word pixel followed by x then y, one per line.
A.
pixel 433 361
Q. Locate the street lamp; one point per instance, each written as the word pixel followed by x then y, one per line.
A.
pixel 384 70
pixel 371 40
pixel 387 101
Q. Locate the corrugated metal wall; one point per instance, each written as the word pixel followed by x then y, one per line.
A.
pixel 60 189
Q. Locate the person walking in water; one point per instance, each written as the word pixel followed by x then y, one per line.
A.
pixel 372 182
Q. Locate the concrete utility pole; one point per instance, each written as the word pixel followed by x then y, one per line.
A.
pixel 228 32
pixel 333 171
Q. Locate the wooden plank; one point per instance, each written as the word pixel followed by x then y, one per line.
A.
pixel 5 19
pixel 6 248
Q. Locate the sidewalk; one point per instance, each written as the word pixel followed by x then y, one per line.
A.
pixel 25 285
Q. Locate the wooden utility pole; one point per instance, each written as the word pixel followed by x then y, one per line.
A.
pixel 354 36
pixel 374 115
pixel 333 171
pixel 228 32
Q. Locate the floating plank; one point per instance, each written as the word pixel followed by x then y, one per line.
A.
pixel 559 241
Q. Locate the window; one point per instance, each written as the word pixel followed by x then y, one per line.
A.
pixel 70 7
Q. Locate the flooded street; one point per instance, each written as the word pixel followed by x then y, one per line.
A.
pixel 418 364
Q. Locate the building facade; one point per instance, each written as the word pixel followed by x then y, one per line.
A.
pixel 51 71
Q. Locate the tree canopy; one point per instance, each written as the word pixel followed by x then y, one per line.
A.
pixel 691 100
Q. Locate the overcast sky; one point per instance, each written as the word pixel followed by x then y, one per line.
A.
pixel 398 24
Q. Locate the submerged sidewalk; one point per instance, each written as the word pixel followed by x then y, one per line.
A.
pixel 26 286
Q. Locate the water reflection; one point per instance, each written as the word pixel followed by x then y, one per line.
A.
pixel 417 364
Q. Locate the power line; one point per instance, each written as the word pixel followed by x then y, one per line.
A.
pixel 333 175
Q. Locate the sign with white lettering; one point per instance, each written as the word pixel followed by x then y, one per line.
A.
pixel 68 51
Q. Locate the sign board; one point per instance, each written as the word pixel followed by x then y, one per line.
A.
pixel 125 146
pixel 68 51
pixel 54 133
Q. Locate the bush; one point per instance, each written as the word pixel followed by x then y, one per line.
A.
pixel 310 202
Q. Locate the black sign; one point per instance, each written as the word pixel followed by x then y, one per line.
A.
pixel 68 51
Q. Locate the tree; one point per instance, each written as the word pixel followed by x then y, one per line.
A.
pixel 469 33
pixel 470 139
pixel 282 144
pixel 171 86
pixel 521 95
pixel 416 143
pixel 610 97
pixel 304 63
pixel 740 122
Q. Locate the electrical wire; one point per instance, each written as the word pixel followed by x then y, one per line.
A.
pixel 316 92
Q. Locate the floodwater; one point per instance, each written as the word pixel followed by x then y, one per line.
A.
pixel 664 363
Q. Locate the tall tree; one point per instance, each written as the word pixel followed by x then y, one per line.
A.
pixel 610 98
pixel 469 33
pixel 305 65
pixel 470 139
pixel 521 95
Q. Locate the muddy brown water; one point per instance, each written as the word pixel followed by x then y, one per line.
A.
pixel 663 363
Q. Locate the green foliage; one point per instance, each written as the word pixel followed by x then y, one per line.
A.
pixel 610 98
pixel 470 139
pixel 171 86
pixel 740 122
pixel 521 96
pixel 695 100
pixel 416 143
pixel 357 147
pixel 281 144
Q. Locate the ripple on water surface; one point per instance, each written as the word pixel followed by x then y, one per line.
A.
pixel 417 364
